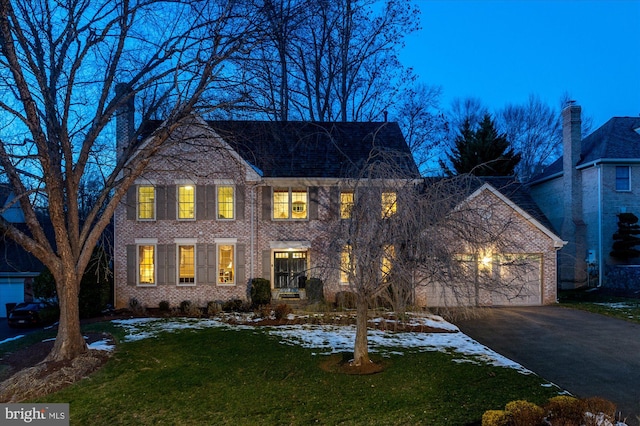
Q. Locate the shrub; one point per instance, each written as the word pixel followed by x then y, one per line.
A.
pixel 260 292
pixel 233 305
pixel 315 290
pixel 524 413
pixel 164 306
pixel 495 418
pixel 596 406
pixel 282 310
pixel 135 307
pixel 564 411
pixel 214 308
pixel 185 305
pixel 346 300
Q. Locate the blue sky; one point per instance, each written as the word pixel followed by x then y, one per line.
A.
pixel 503 50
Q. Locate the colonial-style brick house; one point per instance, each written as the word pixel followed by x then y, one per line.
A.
pixel 234 200
pixel 583 192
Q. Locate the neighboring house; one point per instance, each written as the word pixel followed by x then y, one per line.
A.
pixel 583 192
pixel 236 200
pixel 17 267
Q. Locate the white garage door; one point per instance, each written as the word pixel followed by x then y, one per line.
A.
pixel 520 280
pixel 11 291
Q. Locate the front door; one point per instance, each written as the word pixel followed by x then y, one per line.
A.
pixel 288 267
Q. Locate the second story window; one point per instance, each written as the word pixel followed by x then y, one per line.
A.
pixel 146 202
pixel 225 202
pixel 346 204
pixel 186 202
pixel 389 204
pixel 290 203
pixel 623 178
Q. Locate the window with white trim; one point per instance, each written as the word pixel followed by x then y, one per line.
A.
pixel 226 264
pixel 389 204
pixel 290 203
pixel 226 202
pixel 623 178
pixel 146 202
pixel 186 202
pixel 186 264
pixel 346 204
pixel 345 264
pixel 147 264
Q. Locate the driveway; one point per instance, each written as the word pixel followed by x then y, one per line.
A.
pixel 584 353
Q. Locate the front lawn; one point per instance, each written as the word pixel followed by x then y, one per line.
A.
pixel 247 376
pixel 600 302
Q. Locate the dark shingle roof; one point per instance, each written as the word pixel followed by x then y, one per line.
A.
pixel 616 140
pixel 317 149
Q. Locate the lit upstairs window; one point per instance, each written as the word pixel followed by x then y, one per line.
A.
pixel 186 202
pixel 146 202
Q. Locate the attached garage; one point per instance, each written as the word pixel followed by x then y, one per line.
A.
pixel 520 270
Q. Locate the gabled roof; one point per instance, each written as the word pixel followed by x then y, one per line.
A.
pixel 616 141
pixel 317 149
pixel 517 194
pixel 283 149
pixel 525 206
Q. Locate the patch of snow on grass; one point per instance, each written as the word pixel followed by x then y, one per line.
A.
pixel 327 339
pixel 102 345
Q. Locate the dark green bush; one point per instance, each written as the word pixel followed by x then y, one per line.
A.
pixel 346 300
pixel 315 290
pixel 233 305
pixel 164 306
pixel 260 292
pixel 185 306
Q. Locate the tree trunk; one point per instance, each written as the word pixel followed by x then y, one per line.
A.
pixel 361 348
pixel 69 341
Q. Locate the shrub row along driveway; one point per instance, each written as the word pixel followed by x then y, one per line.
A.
pixel 584 353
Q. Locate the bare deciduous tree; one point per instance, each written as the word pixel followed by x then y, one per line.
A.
pixel 437 237
pixel 60 64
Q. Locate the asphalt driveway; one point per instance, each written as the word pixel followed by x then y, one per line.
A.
pixel 584 353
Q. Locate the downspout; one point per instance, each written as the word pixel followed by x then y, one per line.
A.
pixel 600 247
pixel 253 231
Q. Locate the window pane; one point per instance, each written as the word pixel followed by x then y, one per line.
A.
pixel 186 202
pixel 346 205
pixel 345 264
pixel 146 202
pixel 623 178
pixel 387 261
pixel 299 204
pixel 225 202
pixel 186 264
pixel 146 264
pixel 226 265
pixel 280 204
pixel 389 204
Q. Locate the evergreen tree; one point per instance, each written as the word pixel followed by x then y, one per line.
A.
pixel 481 152
pixel 626 238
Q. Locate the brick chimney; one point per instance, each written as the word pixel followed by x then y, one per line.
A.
pixel 125 126
pixel 573 267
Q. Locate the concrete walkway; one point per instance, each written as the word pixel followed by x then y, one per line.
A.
pixel 584 353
